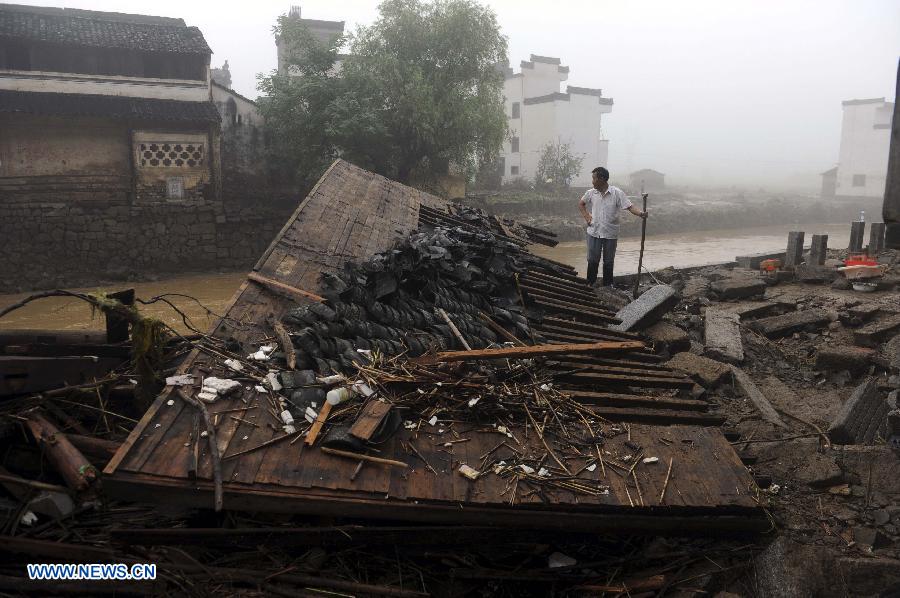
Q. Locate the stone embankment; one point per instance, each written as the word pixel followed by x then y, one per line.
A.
pixel 677 213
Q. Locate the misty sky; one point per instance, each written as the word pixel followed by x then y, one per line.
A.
pixel 736 92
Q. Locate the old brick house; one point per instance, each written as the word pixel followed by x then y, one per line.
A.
pixel 105 105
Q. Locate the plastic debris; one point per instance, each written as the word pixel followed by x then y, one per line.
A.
pixel 650 460
pixel 526 469
pixel 272 380
pixel 592 467
pixel 170 402
pixel 433 420
pixel 473 402
pixel 181 380
pixel 222 386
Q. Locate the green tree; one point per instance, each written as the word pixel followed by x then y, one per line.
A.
pixel 557 165
pixel 419 91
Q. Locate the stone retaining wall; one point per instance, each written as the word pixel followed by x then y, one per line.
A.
pixel 53 244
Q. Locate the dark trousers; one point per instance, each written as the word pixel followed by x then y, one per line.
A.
pixel 598 249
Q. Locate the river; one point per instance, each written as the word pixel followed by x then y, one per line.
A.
pixel 214 291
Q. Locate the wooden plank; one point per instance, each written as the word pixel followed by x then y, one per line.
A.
pixel 621 380
pixel 371 416
pixel 657 416
pixel 586 327
pixel 613 399
pixel 287 289
pixel 575 310
pixel 533 351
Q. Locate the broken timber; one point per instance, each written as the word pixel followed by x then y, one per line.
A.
pixel 601 348
pixel 708 493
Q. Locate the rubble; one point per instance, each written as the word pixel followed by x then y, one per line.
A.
pixel 759 400
pixel 668 337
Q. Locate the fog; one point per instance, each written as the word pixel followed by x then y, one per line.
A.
pixel 710 93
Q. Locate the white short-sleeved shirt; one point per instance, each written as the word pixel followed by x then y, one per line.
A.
pixel 604 209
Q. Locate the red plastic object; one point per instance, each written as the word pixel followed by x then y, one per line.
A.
pixel 769 265
pixel 860 259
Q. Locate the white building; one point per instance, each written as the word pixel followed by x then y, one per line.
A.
pixel 539 114
pixel 322 31
pixel 865 142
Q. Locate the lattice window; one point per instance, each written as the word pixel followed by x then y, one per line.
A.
pixel 171 155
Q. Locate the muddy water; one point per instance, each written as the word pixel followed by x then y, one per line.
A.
pixel 214 291
pixel 697 248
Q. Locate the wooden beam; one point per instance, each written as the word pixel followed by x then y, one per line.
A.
pixel 532 351
pixel 622 380
pixel 613 399
pixel 273 285
pixel 575 310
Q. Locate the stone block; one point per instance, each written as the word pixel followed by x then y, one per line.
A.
pixel 876 238
pixel 749 389
pixel 764 309
pixel 877 332
pixel 814 274
pixel 818 250
pixel 870 537
pixel 752 261
pixel 669 337
pixel 722 335
pixel 860 416
pixel 708 372
pixel 891 351
pixel 786 324
pixel 794 254
pixel 647 309
pixel 738 288
pixel 842 357
pixel 857 231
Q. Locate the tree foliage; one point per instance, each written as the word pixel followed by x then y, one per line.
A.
pixel 557 165
pixel 418 92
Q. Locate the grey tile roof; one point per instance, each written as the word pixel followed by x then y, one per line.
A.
pixel 115 107
pixel 100 30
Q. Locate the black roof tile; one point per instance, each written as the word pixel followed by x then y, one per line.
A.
pixel 100 30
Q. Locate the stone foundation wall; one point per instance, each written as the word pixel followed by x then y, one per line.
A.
pixel 54 244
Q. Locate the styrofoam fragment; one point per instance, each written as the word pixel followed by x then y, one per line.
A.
pixel 420 391
pixel 433 420
pixel 526 469
pixel 334 379
pixel 309 418
pixel 467 471
pixel 272 380
pixel 360 387
pixel 543 472
pixel 234 364
pixel 558 559
pixel 259 356
pixel 181 380
pixel 592 467
pixel 259 388
pixel 204 434
pixel 170 402
pixel 289 429
pixel 650 460
pixel 207 397
pixel 473 402
pixel 29 518
pixel 311 413
pixel 545 387
pixel 410 425
pixel 223 386
pixel 267 349
pixel 286 417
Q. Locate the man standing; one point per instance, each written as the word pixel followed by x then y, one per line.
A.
pixel 600 208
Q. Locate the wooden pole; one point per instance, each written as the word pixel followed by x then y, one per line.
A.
pixel 637 279
pixel 71 464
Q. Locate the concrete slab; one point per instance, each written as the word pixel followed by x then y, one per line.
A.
pixel 647 309
pixel 842 357
pixel 776 326
pixel 877 332
pixel 763 309
pixel 814 274
pixel 738 288
pixel 708 372
pixel 722 335
pixel 669 337
pixel 759 400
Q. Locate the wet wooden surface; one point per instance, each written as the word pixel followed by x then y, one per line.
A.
pixel 352 214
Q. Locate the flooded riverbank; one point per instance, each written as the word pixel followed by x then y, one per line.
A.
pixel 700 248
pixel 214 291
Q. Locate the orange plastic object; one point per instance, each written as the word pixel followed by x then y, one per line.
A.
pixel 860 259
pixel 769 265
